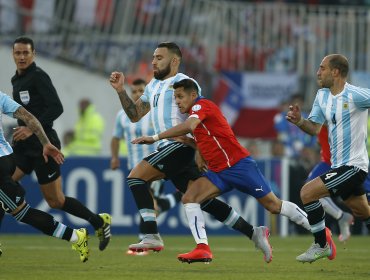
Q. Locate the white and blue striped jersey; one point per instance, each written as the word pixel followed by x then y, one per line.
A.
pixel 163 109
pixel 7 106
pixel 128 130
pixel 346 114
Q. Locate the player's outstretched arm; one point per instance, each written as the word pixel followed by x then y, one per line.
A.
pixel 295 117
pixel 181 129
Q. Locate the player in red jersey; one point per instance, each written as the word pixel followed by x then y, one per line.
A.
pixel 344 219
pixel 229 166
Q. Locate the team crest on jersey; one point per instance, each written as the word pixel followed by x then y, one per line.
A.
pixel 345 105
pixel 170 87
pixel 196 107
pixel 25 97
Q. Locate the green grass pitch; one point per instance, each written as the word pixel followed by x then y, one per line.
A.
pixel 41 257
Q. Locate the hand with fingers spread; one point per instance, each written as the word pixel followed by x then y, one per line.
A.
pixel 52 151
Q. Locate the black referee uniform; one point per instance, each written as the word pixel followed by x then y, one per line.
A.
pixel 34 90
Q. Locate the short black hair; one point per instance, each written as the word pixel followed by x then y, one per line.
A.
pixel 340 62
pixel 187 84
pixel 138 82
pixel 172 47
pixel 24 40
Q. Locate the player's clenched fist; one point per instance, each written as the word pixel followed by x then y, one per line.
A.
pixel 117 79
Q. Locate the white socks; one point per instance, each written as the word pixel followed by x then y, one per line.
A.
pixel 196 222
pixel 331 208
pixel 74 237
pixel 295 214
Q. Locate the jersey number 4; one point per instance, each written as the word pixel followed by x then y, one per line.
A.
pixel 329 175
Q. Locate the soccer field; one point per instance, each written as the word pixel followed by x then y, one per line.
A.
pixel 40 257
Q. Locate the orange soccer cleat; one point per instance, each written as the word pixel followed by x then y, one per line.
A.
pixel 202 253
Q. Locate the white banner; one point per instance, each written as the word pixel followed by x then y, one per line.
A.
pixel 267 90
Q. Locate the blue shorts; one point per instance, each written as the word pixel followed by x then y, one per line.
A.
pixel 244 176
pixel 319 169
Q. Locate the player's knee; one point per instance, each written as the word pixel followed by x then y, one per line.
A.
pixel 189 198
pixel 306 195
pixel 358 213
pixel 55 203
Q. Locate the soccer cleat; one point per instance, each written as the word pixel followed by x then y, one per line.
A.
pixel 152 242
pixel 133 253
pixel 260 238
pixel 82 244
pixel 314 253
pixel 103 233
pixel 344 226
pixel 202 253
pixel 1 251
pixel 330 241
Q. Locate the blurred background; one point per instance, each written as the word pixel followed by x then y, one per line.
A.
pixel 253 58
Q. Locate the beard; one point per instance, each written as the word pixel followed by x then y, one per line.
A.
pixel 161 74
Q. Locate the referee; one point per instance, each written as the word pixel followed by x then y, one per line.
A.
pixel 34 90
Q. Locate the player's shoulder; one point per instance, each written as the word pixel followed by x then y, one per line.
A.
pixel 203 103
pixel 4 97
pixel 323 91
pixel 39 73
pixel 6 100
pixel 181 76
pixel 323 94
pixel 355 90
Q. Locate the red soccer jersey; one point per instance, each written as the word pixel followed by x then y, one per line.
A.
pixel 323 139
pixel 214 137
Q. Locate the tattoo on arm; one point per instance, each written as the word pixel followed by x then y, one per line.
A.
pixel 128 105
pixel 143 107
pixel 32 123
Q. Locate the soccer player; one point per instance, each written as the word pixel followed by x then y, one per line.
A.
pixel 125 129
pixel 172 159
pixel 343 107
pixel 12 193
pixel 230 165
pixel 33 89
pixel 345 219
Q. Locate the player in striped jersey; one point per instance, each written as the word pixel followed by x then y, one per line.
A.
pixel 172 159
pixel 125 129
pixel 230 166
pixel 344 107
pixel 343 218
pixel 12 193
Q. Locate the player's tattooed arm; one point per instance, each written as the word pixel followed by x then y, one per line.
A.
pixel 142 107
pixel 32 123
pixel 128 105
pixel 135 111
